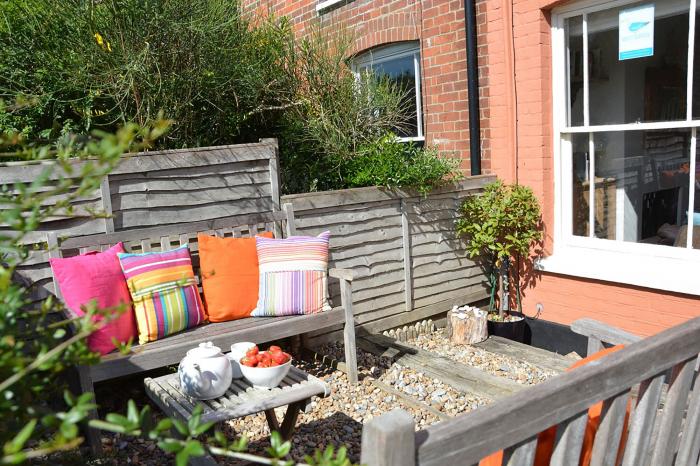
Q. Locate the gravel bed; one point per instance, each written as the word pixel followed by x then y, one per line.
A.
pixel 496 364
pixel 337 419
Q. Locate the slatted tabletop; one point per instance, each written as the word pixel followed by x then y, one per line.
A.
pixel 241 399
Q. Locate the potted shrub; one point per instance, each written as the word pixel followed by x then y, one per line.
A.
pixel 501 226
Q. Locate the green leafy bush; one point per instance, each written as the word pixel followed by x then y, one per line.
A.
pixel 222 77
pixel 93 64
pixel 394 164
pixel 502 223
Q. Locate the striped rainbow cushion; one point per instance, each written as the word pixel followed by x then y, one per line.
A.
pixel 293 275
pixel 164 292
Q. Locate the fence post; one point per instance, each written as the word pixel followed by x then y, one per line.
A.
pixel 389 440
pixel 407 262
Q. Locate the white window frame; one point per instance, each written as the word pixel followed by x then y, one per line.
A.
pixel 390 52
pixel 668 268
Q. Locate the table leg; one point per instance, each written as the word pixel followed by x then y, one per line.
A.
pixel 289 421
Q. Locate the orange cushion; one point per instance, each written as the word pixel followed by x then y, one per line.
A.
pixel 545 439
pixel 230 275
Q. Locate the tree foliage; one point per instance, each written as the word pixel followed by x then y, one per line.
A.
pixel 221 75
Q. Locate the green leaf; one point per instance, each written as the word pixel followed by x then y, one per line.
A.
pixel 17 443
pixel 16 458
pixel 181 427
pixel 68 430
pixel 108 426
pixel 132 412
pixel 200 429
pixel 170 445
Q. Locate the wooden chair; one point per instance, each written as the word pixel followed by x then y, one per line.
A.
pixel 659 433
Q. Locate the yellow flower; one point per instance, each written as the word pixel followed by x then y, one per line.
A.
pixel 109 47
pixel 98 38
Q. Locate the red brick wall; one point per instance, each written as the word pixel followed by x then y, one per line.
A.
pixel 514 53
pixel 437 24
pixel 565 299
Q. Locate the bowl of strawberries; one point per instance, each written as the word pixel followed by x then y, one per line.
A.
pixel 265 369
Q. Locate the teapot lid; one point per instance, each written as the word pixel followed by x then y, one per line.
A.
pixel 205 350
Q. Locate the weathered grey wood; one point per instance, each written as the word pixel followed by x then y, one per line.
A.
pixel 569 439
pixel 288 209
pixel 470 437
pixel 407 266
pixel 26 172
pixel 594 345
pixel 54 251
pixel 191 228
pixel 106 198
pixel 349 328
pixel 274 172
pixel 607 438
pixel 533 355
pixel 460 376
pixel 521 454
pixel 666 443
pixel 642 422
pixel 240 400
pixel 172 349
pixel 689 448
pixel 466 326
pixel 603 332
pixel 91 435
pixel 310 201
pixel 389 440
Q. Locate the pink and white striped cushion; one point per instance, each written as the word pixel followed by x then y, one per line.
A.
pixel 293 275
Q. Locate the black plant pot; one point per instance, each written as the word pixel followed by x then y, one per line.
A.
pixel 511 330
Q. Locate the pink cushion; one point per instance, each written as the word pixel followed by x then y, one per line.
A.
pixel 97 276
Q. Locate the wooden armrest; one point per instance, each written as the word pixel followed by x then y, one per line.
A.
pixel 342 274
pixel 603 332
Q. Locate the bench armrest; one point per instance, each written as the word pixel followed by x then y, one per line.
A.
pixel 341 274
pixel 599 333
pixel 345 277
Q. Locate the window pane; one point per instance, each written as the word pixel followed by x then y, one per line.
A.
pixel 579 144
pixel 574 33
pixel 641 185
pixel 402 71
pixel 651 88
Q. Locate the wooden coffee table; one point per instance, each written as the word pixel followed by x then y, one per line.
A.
pixel 241 399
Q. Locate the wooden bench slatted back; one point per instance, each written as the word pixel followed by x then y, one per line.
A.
pixel 172 349
pixel 667 435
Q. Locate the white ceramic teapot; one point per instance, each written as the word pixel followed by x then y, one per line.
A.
pixel 205 372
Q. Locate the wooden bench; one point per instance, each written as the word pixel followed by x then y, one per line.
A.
pixel 657 433
pixel 170 350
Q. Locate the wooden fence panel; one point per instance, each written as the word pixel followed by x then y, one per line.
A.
pixel 157 189
pixel 407 260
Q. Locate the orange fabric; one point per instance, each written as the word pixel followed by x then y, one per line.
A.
pixel 230 276
pixel 546 438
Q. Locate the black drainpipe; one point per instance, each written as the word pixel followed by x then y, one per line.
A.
pixel 473 88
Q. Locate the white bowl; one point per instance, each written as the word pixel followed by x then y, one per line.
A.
pixel 266 377
pixel 238 350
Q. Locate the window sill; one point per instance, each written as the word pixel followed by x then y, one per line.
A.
pixel 678 275
pixel 327 5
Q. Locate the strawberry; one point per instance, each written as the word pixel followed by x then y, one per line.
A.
pixel 279 358
pixel 274 364
pixel 275 349
pixel 253 351
pixel 248 361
